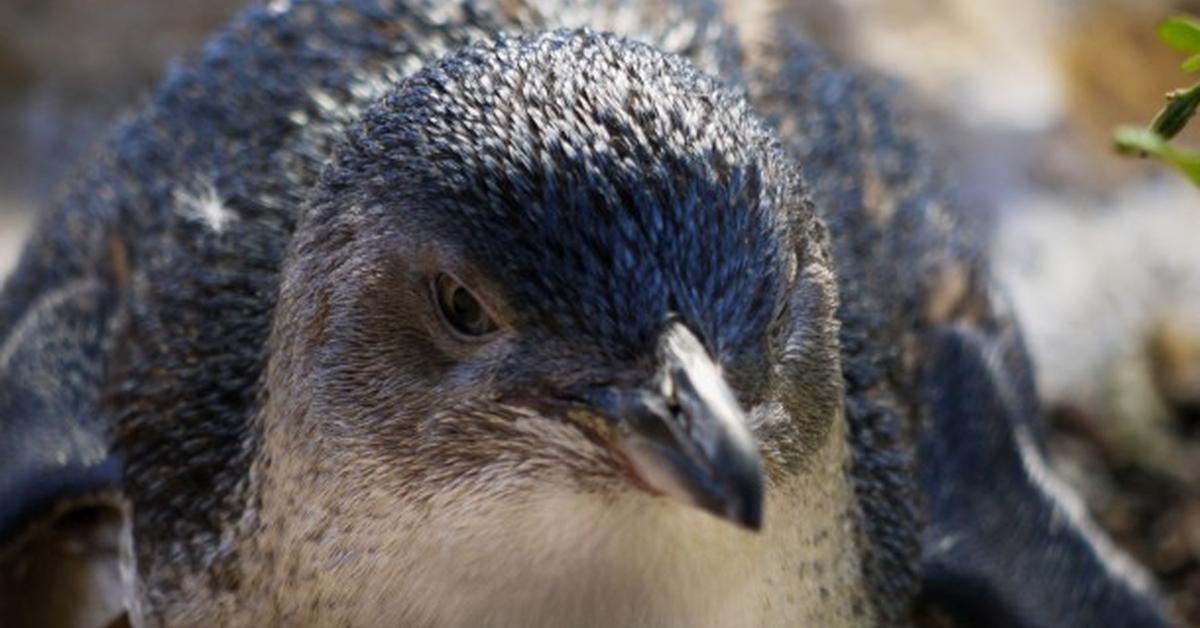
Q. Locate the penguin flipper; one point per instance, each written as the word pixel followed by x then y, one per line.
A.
pixel 60 509
pixel 1007 544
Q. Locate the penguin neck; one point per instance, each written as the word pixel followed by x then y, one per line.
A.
pixel 314 554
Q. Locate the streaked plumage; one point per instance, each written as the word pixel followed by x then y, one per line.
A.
pixel 304 443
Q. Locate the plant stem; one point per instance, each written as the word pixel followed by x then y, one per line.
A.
pixel 1181 106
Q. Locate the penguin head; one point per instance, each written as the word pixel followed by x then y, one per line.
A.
pixel 563 260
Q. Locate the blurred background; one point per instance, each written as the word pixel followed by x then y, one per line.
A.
pixel 1099 256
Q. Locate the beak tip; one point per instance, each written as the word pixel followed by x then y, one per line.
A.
pixel 747 506
pixel 750 518
pixel 686 436
pixel 740 471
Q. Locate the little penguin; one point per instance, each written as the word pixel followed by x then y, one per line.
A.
pixel 525 313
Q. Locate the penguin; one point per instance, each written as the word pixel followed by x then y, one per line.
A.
pixel 528 313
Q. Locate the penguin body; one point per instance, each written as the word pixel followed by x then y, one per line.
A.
pixel 225 292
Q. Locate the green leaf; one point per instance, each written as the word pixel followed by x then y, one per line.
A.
pixel 1136 140
pixel 1181 32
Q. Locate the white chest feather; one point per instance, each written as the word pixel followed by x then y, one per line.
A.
pixel 567 558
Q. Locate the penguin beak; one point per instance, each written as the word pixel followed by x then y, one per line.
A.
pixel 685 436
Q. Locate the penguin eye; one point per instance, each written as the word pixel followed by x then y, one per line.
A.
pixel 460 309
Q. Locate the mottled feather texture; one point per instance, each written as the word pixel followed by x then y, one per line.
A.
pixel 299 447
pixel 898 238
pixel 591 221
pixel 241 133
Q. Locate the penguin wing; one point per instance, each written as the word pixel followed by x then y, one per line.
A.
pixel 1007 544
pixel 60 513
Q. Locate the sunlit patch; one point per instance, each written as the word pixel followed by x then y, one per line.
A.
pixel 205 205
pixel 279 7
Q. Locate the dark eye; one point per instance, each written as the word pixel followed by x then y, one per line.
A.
pixel 460 309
